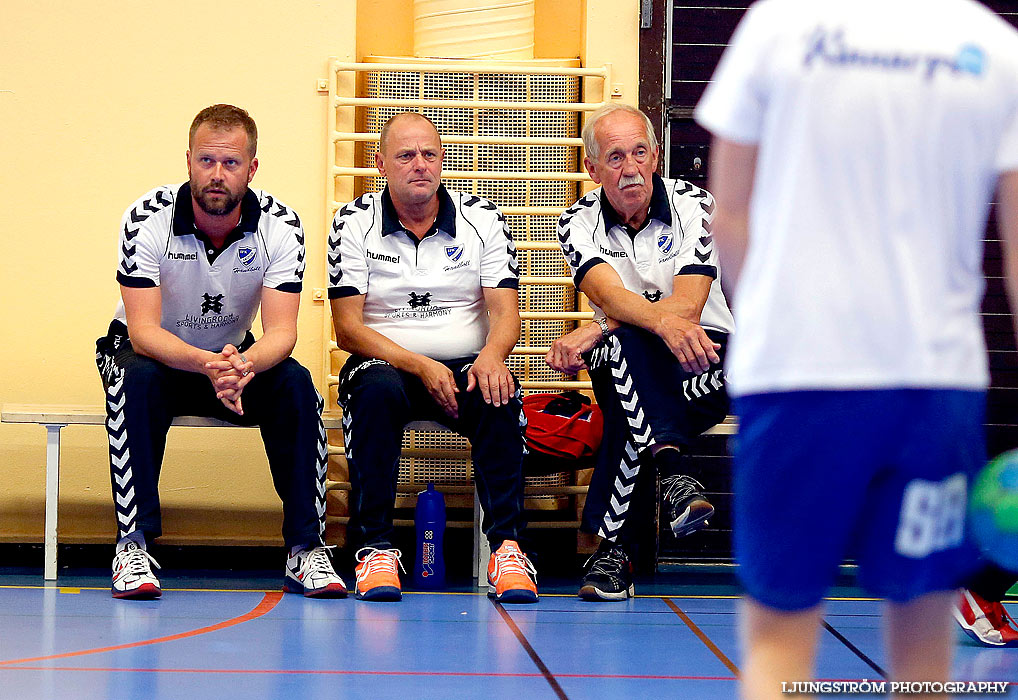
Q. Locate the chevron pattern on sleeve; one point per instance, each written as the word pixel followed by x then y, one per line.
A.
pixel 301 262
pixel 335 239
pixel 353 206
pixel 159 200
pixel 573 256
pixel 510 248
pixel 475 201
pixel 705 242
pixel 281 211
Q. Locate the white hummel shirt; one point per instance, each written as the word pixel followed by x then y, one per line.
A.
pixel 675 240
pixel 209 297
pixel 425 295
pixel 882 126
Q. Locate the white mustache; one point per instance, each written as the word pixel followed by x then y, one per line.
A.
pixel 627 180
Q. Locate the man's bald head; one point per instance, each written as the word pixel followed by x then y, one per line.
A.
pixel 383 137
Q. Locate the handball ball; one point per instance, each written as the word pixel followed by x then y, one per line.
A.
pixel 993 510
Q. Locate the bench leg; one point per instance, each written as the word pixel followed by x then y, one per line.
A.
pixel 52 497
pixel 482 551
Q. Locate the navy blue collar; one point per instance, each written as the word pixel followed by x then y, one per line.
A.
pixel 659 208
pixel 183 215
pixel 445 221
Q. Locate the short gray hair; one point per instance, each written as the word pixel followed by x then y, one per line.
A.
pixel 590 143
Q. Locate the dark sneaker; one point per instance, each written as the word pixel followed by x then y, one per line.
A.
pixel 309 571
pixel 687 508
pixel 132 575
pixel 609 575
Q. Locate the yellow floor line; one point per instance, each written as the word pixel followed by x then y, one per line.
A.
pixel 64 589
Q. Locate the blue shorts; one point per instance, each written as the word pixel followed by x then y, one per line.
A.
pixel 880 476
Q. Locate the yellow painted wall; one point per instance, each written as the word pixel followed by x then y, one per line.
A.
pixel 95 102
pixel 611 34
pixel 557 28
pixel 386 28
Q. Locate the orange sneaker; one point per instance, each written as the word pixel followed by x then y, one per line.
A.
pixel 377 578
pixel 511 576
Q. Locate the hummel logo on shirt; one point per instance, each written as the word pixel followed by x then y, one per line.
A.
pixel 383 257
pixel 613 253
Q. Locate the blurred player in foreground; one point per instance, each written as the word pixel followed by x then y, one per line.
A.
pixel 853 165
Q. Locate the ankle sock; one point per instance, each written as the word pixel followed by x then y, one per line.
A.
pixel 138 537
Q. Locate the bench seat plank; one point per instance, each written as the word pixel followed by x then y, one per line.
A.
pixel 55 417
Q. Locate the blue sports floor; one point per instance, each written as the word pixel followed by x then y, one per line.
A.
pixel 71 643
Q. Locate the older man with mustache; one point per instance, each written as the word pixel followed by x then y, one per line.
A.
pixel 640 248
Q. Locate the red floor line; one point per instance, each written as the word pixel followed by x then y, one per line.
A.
pixel 267 603
pixel 338 672
pixel 703 637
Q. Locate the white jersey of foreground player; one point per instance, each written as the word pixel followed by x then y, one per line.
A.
pixel 882 126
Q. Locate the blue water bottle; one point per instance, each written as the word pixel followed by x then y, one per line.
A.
pixel 429 520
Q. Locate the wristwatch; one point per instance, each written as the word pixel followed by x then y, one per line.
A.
pixel 601 321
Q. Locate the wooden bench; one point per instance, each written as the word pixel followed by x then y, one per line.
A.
pixel 55 417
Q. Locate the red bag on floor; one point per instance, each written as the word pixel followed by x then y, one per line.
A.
pixel 563 425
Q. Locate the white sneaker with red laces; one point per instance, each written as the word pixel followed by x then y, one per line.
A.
pixel 987 622
pixel 309 571
pixel 132 575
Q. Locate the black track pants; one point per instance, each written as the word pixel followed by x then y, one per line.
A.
pixel 378 401
pixel 143 396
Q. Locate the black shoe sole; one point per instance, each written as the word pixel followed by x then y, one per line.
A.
pixel 382 594
pixel 522 596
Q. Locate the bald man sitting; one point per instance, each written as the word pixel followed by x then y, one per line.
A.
pixel 423 286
